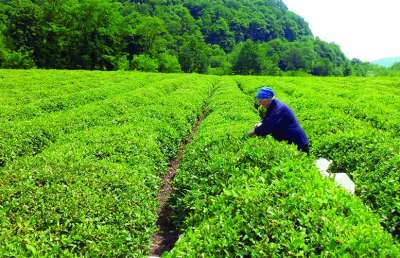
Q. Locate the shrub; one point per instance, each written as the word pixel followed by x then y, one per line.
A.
pixel 145 63
pixel 169 64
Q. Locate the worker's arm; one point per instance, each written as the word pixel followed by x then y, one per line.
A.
pixel 252 131
pixel 269 124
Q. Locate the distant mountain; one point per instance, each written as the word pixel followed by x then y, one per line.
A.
pixel 387 62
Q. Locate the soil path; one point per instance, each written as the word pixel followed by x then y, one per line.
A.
pixel 165 239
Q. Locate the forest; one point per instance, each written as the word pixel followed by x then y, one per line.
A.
pixel 221 37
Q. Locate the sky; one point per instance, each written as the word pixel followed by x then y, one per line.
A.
pixel 364 29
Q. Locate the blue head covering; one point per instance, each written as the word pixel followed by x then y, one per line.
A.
pixel 265 93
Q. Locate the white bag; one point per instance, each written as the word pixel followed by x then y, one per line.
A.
pixel 341 179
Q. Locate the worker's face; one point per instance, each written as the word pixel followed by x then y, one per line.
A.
pixel 265 102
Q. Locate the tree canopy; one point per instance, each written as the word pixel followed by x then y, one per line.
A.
pixel 204 36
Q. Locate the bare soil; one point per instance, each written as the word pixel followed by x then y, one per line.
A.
pixel 165 239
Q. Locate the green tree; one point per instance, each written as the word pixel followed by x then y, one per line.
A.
pixel 169 63
pixel 332 53
pixel 298 56
pixel 396 66
pixel 102 29
pixel 151 35
pixel 218 61
pixel 219 33
pixel 177 19
pixel 24 30
pixel 358 67
pixel 109 34
pixel 249 60
pixel 67 34
pixel 145 63
pixel 193 55
pixel 322 68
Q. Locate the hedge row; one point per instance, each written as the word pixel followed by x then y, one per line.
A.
pixel 30 137
pixel 104 89
pixel 257 197
pixel 366 146
pixel 28 86
pixel 94 191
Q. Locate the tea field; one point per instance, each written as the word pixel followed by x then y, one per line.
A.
pixel 83 154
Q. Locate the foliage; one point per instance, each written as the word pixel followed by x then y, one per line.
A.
pixel 15 60
pixel 81 177
pixel 255 197
pixel 145 63
pixel 82 155
pixel 169 63
pixel 360 68
pixel 219 61
pixel 67 34
pixel 193 55
pixel 395 66
pixel 249 60
pixel 353 122
pixel 150 36
pixel 100 34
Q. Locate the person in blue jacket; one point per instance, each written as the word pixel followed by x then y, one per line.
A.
pixel 279 121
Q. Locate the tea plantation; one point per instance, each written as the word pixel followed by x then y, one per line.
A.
pixel 83 154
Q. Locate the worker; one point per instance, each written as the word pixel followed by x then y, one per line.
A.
pixel 279 121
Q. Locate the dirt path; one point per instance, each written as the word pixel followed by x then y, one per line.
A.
pixel 164 240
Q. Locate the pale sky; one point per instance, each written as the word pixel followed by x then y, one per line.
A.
pixel 364 29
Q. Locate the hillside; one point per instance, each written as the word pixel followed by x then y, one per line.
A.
pixel 215 37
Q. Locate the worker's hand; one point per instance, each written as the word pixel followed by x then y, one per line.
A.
pixel 251 132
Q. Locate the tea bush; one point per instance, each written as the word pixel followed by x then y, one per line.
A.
pixel 82 155
pixel 257 197
pixel 84 182
pixel 355 122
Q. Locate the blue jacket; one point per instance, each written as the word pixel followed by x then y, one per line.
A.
pixel 282 124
